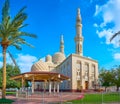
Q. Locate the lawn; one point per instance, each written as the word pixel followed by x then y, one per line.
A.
pixel 98 98
pixel 10 93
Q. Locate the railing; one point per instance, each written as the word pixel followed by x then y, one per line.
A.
pixel 66 97
pixel 98 98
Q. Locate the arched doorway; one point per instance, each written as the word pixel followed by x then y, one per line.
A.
pixel 86 85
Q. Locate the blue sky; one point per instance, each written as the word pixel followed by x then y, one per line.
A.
pixel 48 19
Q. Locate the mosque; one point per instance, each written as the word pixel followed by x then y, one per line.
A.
pixel 82 71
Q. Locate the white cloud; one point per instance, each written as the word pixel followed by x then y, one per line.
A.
pixel 8 59
pixel 1 63
pixel 25 62
pixel 109 13
pixel 97 10
pixel 105 33
pixel 95 25
pixel 117 56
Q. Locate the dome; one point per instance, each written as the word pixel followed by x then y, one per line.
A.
pixel 48 58
pixel 58 57
pixel 39 66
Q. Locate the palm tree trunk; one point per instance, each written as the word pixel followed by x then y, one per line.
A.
pixel 4 72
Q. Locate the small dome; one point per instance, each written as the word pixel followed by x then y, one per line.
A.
pixel 58 57
pixel 48 58
pixel 39 66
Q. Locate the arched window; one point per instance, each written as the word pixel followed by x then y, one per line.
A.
pixel 86 72
pixel 93 68
pixel 78 70
pixel 86 69
pixel 93 71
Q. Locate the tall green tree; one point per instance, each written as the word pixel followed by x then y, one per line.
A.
pixel 105 77
pixel 116 77
pixel 10 71
pixel 11 34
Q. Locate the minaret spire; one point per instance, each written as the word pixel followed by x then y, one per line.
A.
pixel 62 44
pixel 78 15
pixel 79 37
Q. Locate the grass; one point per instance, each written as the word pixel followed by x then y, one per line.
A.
pixel 6 101
pixel 98 98
pixel 10 93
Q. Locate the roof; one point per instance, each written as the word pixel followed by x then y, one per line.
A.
pixel 40 76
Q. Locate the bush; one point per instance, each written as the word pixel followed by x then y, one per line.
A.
pixel 6 101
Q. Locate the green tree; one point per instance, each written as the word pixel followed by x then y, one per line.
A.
pixel 105 77
pixel 11 71
pixel 11 34
pixel 116 77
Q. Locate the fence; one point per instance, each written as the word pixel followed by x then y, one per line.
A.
pixel 67 97
pixel 98 98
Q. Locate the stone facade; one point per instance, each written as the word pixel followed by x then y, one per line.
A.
pixel 83 72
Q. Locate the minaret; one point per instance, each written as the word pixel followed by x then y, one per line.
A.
pixel 79 37
pixel 62 44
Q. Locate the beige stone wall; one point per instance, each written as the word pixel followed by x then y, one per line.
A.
pixel 65 69
pixel 75 67
pixel 88 72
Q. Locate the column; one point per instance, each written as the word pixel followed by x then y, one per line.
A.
pixel 33 85
pixel 22 84
pixel 44 85
pixel 82 75
pixel 54 86
pixel 49 87
pixel 58 87
pixel 89 81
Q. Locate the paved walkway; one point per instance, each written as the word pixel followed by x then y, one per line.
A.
pixel 46 98
pixel 40 98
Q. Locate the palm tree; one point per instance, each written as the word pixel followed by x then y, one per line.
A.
pixel 116 34
pixel 11 35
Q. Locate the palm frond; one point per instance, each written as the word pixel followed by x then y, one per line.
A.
pixel 0 29
pixel 10 29
pixel 5 17
pixel 5 10
pixel 28 44
pixel 24 25
pixel 27 34
pixel 22 41
pixel 18 23
pixel 114 36
pixel 17 46
pixel 19 41
pixel 20 15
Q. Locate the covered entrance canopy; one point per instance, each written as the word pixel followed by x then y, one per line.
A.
pixel 40 77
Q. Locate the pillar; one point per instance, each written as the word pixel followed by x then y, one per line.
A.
pixel 33 85
pixel 82 75
pixel 54 87
pixel 22 84
pixel 58 87
pixel 50 87
pixel 44 85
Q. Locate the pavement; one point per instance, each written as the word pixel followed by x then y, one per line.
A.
pixel 41 98
pixel 46 98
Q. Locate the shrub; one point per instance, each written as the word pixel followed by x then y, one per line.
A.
pixel 6 101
